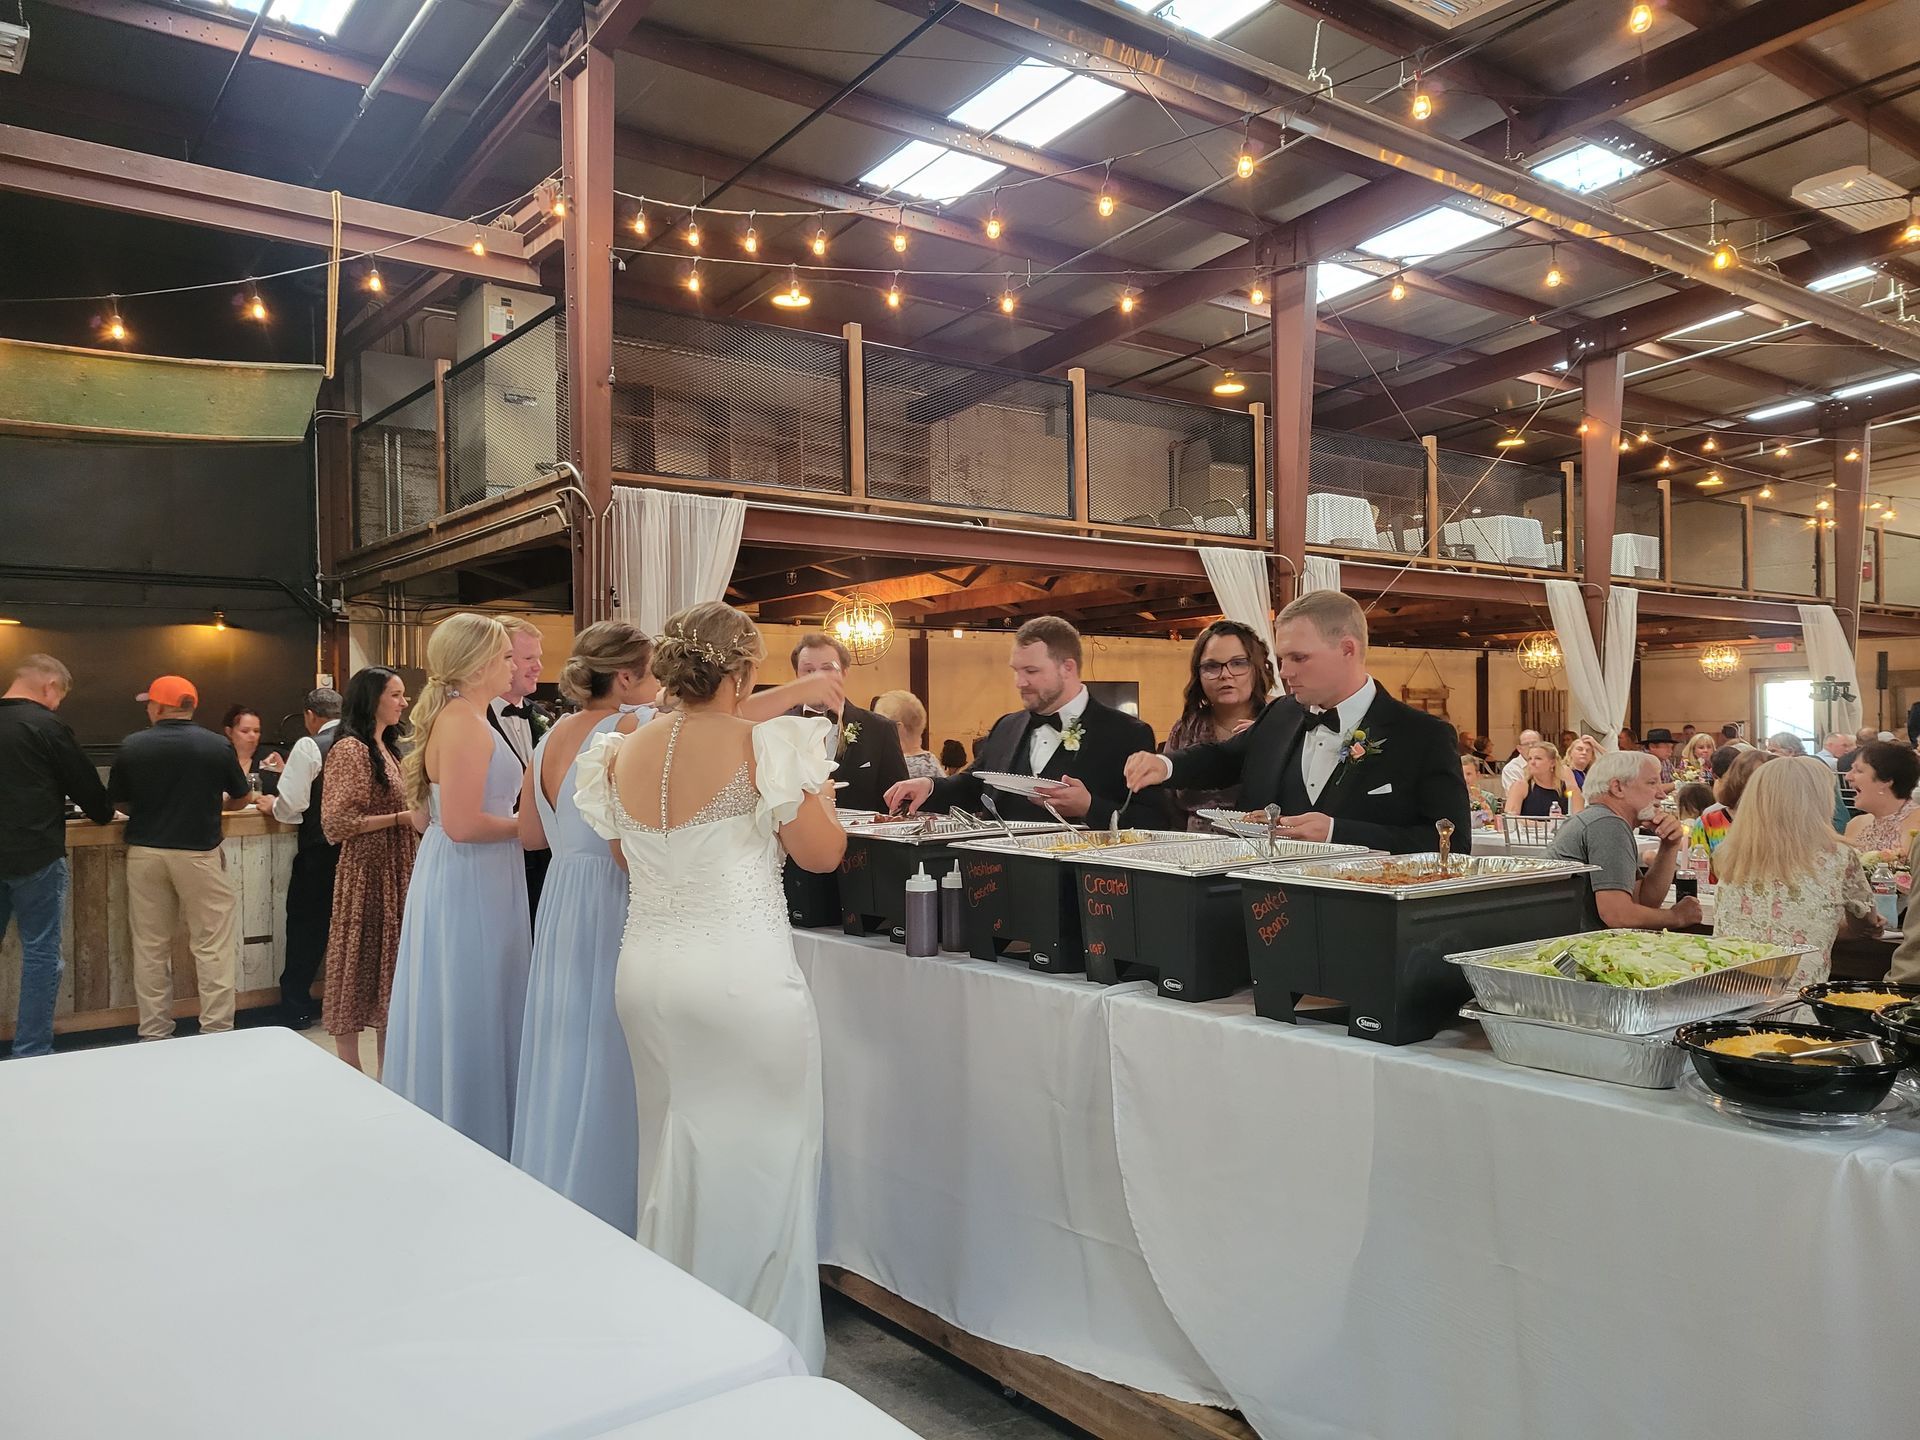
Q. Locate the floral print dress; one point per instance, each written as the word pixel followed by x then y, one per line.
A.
pixel 1804 911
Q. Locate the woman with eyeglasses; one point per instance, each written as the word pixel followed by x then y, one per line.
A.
pixel 1227 688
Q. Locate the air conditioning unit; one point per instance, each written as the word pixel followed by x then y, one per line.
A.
pixel 13 47
pixel 1857 197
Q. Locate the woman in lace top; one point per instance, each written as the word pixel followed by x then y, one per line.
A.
pixel 909 717
pixel 1884 776
pixel 1785 877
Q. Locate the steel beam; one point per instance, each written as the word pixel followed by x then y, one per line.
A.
pixel 586 158
pixel 613 21
pixel 1294 305
pixel 80 172
pixel 1850 521
pixel 1604 380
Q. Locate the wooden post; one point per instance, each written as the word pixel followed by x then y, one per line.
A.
pixel 1665 486
pixel 1077 444
pixel 334 507
pixel 586 163
pixel 1481 688
pixel 1880 562
pixel 440 368
pixel 1431 505
pixel 856 412
pixel 1852 461
pixel 919 669
pixel 1603 381
pixel 1566 518
pixel 1746 542
pixel 1258 492
pixel 1292 306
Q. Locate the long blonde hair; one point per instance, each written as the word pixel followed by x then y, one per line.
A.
pixel 460 647
pixel 1784 830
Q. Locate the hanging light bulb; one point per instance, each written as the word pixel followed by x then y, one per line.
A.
pixel 374 282
pixel 818 245
pixel 1399 290
pixel 994 228
pixel 1709 446
pixel 1875 505
pixel 693 277
pixel 1666 463
pixel 1912 231
pixel 1889 516
pixel 1509 441
pixel 1766 492
pixel 1823 503
pixel 1850 455
pixel 1554 278
pixel 1422 108
pixel 1243 164
pixel 256 308
pixel 1007 302
pixel 1640 19
pixel 640 222
pixel 1713 481
pixel 114 329
pixel 1586 427
pixel 219 619
pixel 793 297
pixel 1780 450
pixel 1229 384
pixel 1725 257
pixel 559 207
pixel 1257 295
pixel 1646 437
pixel 1104 204
pixel 1625 445
pixel 750 242
pixel 691 235
pixel 1827 524
pixel 893 292
pixel 479 246
pixel 1128 300
pixel 899 241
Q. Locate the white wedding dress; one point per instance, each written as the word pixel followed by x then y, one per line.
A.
pixel 721 1028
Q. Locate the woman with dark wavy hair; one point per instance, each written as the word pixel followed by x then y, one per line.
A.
pixel 1229 679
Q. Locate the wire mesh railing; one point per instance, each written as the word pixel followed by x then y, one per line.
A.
pixel 1168 465
pixel 1500 512
pixel 396 469
pixel 941 432
pixel 504 409
pixel 1709 543
pixel 1784 548
pixel 1366 494
pixel 1900 568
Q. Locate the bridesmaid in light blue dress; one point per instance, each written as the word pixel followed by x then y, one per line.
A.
pixel 574 1124
pixel 459 989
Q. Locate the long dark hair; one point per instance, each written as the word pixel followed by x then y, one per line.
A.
pixel 358 709
pixel 1195 701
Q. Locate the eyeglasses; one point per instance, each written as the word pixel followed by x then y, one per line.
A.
pixel 1214 669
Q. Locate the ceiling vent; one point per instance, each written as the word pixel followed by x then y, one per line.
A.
pixel 1451 14
pixel 13 47
pixel 1857 197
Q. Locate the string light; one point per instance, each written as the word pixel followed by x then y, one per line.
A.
pixel 893 292
pixel 1399 290
pixel 219 619
pixel 750 242
pixel 1007 302
pixel 256 308
pixel 1229 384
pixel 1625 445
pixel 1874 506
pixel 1509 441
pixel 1257 295
pixel 1104 204
pixel 693 276
pixel 479 246
pixel 819 245
pixel 640 223
pixel 1554 278
pixel 1128 300
pixel 1823 503
pixel 793 297
pixel 115 329
pixel 1912 231
pixel 1713 481
pixel 1850 455
pixel 899 240
pixel 1586 428
pixel 1889 516
pixel 373 281
pixel 1646 437
pixel 691 235
pixel 1725 257
pixel 1243 165
pixel 1422 102
pixel 994 228
pixel 559 207
pixel 1780 450
pixel 1766 492
pixel 1709 446
pixel 1666 463
pixel 1640 19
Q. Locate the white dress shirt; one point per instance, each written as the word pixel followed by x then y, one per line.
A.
pixel 1320 751
pixel 296 780
pixel 1044 740
pixel 1513 771
pixel 519 732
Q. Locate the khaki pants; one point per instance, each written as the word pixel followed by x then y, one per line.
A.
pixel 163 886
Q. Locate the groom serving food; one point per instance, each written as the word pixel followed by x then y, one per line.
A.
pixel 1342 759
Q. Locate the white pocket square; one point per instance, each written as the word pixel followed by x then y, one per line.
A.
pixel 866 764
pixel 1383 790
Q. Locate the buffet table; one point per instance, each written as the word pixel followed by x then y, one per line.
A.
pixel 1352 1240
pixel 797 1407
pixel 96 987
pixel 237 1235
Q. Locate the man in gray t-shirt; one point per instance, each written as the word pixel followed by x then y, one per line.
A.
pixel 1620 789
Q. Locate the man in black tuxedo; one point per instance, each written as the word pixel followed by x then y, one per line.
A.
pixel 1062 734
pixel 867 746
pixel 1342 759
pixel 521 723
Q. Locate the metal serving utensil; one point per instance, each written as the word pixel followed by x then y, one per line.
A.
pixel 1564 962
pixel 987 803
pixel 1444 829
pixel 1056 814
pixel 1837 1047
pixel 1273 813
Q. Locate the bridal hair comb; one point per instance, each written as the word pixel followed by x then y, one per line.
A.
pixel 713 654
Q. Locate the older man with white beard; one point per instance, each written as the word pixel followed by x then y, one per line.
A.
pixel 1621 788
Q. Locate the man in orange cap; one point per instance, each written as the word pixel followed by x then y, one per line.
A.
pixel 173 779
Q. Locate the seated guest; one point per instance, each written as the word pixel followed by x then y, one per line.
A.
pixel 1621 789
pixel 1628 740
pixel 1835 748
pixel 1483 752
pixel 1697 753
pixel 1342 758
pixel 1785 743
pixel 1692 800
pixel 1659 743
pixel 1516 767
pixel 1905 968
pixel 1716 821
pixel 909 717
pixel 242 729
pixel 1060 734
pixel 1482 792
pixel 1567 737
pixel 953 757
pixel 1580 757
pixel 1884 776
pixel 1785 877
pixel 1546 783
pixel 1729 733
pixel 1228 677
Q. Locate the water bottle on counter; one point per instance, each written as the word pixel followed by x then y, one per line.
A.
pixel 1700 862
pixel 923 914
pixel 953 912
pixel 1886 898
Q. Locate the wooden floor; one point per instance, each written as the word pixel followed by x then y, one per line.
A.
pixel 1109 1411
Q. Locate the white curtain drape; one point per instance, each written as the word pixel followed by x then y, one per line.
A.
pixel 1239 579
pixel 1829 654
pixel 671 551
pixel 1321 572
pixel 1599 695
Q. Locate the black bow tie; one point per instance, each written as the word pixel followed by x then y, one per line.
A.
pixel 1052 722
pixel 1324 720
pixel 523 711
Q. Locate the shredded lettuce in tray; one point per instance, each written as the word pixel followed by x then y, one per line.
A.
pixel 1640 960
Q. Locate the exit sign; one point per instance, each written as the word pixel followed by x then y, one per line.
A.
pixel 1783 647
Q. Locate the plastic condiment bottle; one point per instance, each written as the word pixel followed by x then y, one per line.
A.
pixel 923 914
pixel 953 912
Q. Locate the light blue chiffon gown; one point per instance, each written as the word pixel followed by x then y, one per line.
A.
pixel 460 987
pixel 574 1126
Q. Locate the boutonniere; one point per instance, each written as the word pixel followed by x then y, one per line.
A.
pixel 850 732
pixel 1357 747
pixel 1072 734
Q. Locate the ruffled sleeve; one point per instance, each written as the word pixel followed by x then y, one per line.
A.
pixel 593 784
pixel 790 763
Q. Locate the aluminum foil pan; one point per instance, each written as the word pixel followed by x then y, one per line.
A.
pixel 1464 873
pixel 1215 855
pixel 1652 1062
pixel 1236 822
pixel 1593 1006
pixel 941 828
pixel 1068 845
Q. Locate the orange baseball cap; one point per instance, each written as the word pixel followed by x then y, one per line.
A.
pixel 173 691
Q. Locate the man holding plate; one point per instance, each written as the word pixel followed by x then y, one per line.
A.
pixel 1342 758
pixel 1074 748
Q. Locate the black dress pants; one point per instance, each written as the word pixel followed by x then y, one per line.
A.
pixel 309 913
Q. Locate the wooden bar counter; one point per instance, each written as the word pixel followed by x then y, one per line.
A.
pixel 96 985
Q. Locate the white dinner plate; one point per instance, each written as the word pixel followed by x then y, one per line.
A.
pixel 1028 785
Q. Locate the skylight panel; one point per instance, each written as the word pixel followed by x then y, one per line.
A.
pixel 325 16
pixel 1435 232
pixel 1841 279
pixel 1869 387
pixel 1008 96
pixel 1774 412
pixel 914 156
pixel 1202 17
pixel 1703 324
pixel 1078 100
pixel 951 175
pixel 1587 168
pixel 1337 280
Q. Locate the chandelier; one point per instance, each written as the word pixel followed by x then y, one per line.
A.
pixel 862 624
pixel 1719 661
pixel 1539 653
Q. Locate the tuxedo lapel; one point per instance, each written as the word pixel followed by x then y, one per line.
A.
pixel 1271 761
pixel 1378 723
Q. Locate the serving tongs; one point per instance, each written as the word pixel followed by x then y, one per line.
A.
pixel 1837 1047
pixel 993 810
pixel 1444 829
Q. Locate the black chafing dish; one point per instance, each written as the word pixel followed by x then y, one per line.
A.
pixel 1170 913
pixel 882 855
pixel 1020 891
pixel 1333 930
pixel 813 900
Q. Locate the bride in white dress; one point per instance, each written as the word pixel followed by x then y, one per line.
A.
pixel 721 1026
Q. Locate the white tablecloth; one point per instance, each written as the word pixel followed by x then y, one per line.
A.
pixel 237 1235
pixel 1343 519
pixel 970 1162
pixel 1634 552
pixel 796 1408
pixel 1361 1241
pixel 1498 538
